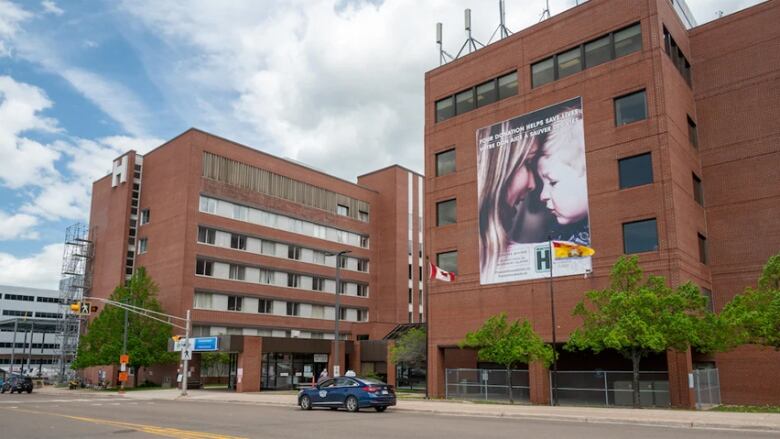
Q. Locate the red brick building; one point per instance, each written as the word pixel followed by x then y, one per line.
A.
pixel 248 241
pixel 681 140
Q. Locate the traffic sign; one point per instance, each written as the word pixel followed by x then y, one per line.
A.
pixel 123 376
pixel 85 308
pixel 205 344
pixel 124 358
pixel 186 354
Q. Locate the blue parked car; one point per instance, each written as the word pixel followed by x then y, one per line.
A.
pixel 352 393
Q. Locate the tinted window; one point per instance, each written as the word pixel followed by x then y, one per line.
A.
pixel 445 212
pixel 445 162
pixel 635 171
pixel 693 135
pixel 486 93
pixel 542 72
pixel 569 62
pixel 445 109
pixel 698 194
pixel 640 236
pixel 598 52
pixel 464 101
pixel 507 85
pixel 702 249
pixel 628 40
pixel 448 261
pixel 630 108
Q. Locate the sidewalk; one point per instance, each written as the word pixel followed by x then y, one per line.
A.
pixel 767 422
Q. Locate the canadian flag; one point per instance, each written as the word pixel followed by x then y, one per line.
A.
pixel 438 273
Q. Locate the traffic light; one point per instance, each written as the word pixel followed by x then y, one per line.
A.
pixel 75 307
pixel 176 338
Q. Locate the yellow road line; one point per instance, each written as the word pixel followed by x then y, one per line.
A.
pixel 151 429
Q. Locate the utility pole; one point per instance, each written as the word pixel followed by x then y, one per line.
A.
pixel 336 360
pixel 13 347
pixel 186 348
pixel 124 351
pixel 554 341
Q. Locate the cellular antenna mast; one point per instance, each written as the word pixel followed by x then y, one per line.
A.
pixel 546 12
pixel 501 30
pixel 443 55
pixel 471 43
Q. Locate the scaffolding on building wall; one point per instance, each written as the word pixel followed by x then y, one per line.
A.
pixel 74 285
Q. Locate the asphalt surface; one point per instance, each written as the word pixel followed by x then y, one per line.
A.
pixel 109 415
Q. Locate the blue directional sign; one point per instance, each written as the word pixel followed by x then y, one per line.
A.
pixel 205 344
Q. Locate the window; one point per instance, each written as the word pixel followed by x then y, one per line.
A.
pixel 693 135
pixel 362 265
pixel 486 93
pixel 317 283
pixel 363 216
pixel 362 315
pixel 707 293
pixel 144 216
pixel 238 242
pixel 237 272
pixel 22 298
pixel 543 72
pixel 464 101
pixel 676 55
pixel 448 261
pixel 362 290
pixel 702 249
pixel 234 303
pixel 264 306
pixel 204 268
pixel 569 62
pixel 640 236
pixel 698 194
pixel 207 236
pixel 628 40
pixel 410 317
pixel 364 241
pixel 445 162
pixel 208 205
pixel 293 308
pixel 598 52
pixel 143 244
pixel 342 210
pixel 445 108
pixel 342 261
pixel 362 337
pixel 268 248
pixel 202 300
pixel 410 271
pixel 635 171
pixel 240 212
pixel 293 252
pixel 630 108
pixel 410 295
pixel 293 280
pixel 48 299
pixel 507 85
pixel 445 212
pixel 342 314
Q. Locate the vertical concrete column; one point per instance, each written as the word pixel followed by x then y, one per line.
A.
pixel 680 365
pixel 539 383
pixel 342 355
pixel 354 358
pixel 248 379
pixel 392 379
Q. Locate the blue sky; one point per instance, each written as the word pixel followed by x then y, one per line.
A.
pixel 314 80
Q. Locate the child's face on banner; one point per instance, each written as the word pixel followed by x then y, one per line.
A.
pixel 565 190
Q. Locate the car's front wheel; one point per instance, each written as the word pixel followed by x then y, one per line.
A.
pixel 305 403
pixel 380 408
pixel 351 404
pixel 29 390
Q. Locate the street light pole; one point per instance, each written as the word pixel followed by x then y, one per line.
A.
pixel 552 315
pixel 124 351
pixel 336 360
pixel 186 347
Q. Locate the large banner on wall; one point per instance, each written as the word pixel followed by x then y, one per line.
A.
pixel 532 187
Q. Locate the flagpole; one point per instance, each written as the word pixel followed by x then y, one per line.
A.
pixel 427 297
pixel 552 314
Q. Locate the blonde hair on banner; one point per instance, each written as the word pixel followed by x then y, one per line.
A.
pixel 565 143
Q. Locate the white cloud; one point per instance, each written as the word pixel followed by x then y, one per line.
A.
pixel 49 7
pixel 17 226
pixel 24 161
pixel 41 270
pixel 11 16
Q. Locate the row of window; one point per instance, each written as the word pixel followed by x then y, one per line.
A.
pixel 282 222
pixel 9 344
pixel 221 270
pixel 19 297
pixel 39 314
pixel 265 247
pixel 676 55
pixel 478 96
pixel 205 331
pixel 221 302
pixel 606 48
pixel 638 170
pixel 32 361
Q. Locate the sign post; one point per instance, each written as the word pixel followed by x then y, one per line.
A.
pixel 186 355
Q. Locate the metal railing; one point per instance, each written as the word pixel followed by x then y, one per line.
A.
pixel 611 388
pixel 486 385
pixel 706 383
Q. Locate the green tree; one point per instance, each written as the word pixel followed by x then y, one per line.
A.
pixel 498 341
pixel 754 316
pixel 636 318
pixel 410 348
pixel 147 339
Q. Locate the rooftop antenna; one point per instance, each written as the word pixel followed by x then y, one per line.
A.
pixel 471 43
pixel 546 11
pixel 443 55
pixel 502 30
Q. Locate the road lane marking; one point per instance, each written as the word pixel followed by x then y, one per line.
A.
pixel 151 429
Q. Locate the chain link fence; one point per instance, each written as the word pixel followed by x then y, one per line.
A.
pixel 706 383
pixel 486 385
pixel 611 388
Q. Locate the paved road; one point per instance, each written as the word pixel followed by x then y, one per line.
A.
pixel 108 415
